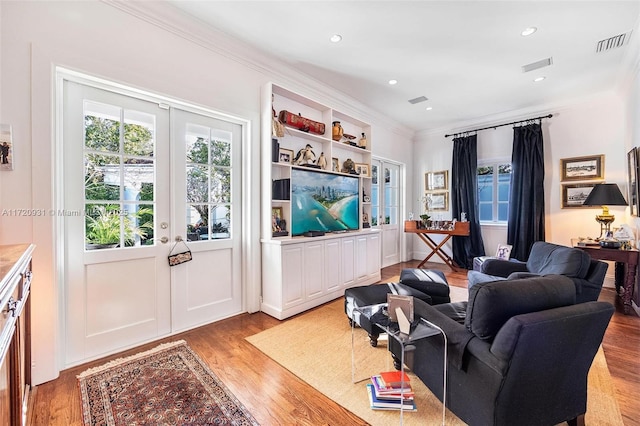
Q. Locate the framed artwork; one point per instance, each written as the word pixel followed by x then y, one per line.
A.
pixel 335 164
pixel 6 147
pixel 582 168
pixel 632 173
pixel 362 169
pixel 278 224
pixel 435 181
pixel 573 195
pixel 285 156
pixel 504 251
pixel 437 200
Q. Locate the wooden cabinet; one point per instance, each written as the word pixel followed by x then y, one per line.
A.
pixel 303 273
pixel 15 333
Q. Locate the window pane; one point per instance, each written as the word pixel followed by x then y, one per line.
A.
pixel 220 221
pixel 503 212
pixel 221 185
pixel 101 127
pixel 138 133
pixel 486 212
pixel 197 184
pixel 101 177
pixel 102 225
pixel 138 224
pixel 221 153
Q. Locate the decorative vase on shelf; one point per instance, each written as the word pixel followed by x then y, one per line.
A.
pixel 362 143
pixel 337 132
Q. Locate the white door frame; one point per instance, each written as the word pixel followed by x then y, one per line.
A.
pixel 402 179
pixel 250 254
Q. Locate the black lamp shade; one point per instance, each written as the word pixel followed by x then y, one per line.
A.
pixel 605 194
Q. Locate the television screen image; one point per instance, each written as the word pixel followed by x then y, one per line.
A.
pixel 323 202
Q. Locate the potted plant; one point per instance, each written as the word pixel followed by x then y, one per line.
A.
pixel 425 220
pixel 103 228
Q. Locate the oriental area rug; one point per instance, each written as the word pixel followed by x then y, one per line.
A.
pixel 167 385
pixel 317 347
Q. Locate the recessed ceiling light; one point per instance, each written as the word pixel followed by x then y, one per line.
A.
pixel 336 38
pixel 539 79
pixel 429 108
pixel 392 82
pixel 528 31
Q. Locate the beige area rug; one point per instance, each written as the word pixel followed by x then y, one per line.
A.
pixel 316 347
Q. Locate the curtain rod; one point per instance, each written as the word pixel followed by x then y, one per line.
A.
pixel 500 125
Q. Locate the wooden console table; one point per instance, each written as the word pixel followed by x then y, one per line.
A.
pixel 461 229
pixel 626 268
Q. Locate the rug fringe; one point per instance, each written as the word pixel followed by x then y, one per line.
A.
pixel 117 361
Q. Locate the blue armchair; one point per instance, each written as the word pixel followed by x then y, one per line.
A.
pixel 546 258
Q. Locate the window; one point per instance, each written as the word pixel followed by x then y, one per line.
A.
pixel 494 184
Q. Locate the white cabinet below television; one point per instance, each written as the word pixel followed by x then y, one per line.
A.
pixel 301 273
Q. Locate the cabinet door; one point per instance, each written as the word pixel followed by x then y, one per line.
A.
pixel 332 260
pixel 373 255
pixel 348 255
pixel 292 274
pixel 313 269
pixel 361 257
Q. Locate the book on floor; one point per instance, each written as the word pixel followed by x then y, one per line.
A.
pixel 390 392
pixel 383 404
pixel 395 379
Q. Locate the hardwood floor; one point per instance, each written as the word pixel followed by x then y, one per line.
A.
pixel 277 397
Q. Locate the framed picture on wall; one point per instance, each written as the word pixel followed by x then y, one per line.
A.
pixel 573 195
pixel 582 168
pixel 632 173
pixel 437 200
pixel 435 181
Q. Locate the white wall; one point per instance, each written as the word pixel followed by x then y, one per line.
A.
pixel 99 39
pixel 591 127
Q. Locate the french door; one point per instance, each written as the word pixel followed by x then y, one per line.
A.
pixel 385 209
pixel 142 180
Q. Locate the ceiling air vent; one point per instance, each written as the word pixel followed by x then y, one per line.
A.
pixel 613 42
pixel 537 65
pixel 418 100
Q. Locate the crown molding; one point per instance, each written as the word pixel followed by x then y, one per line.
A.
pixel 171 19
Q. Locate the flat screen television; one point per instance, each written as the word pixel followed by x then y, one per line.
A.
pixel 323 201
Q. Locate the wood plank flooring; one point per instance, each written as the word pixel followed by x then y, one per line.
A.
pixel 277 397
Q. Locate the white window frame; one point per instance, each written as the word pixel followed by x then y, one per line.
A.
pixel 495 203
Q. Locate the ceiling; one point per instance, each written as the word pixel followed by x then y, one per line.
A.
pixel 466 57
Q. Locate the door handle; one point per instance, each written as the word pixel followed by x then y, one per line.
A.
pixel 164 240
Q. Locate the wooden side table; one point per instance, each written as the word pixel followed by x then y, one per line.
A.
pixel 628 259
pixel 461 229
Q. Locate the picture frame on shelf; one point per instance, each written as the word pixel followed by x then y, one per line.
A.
pixel 335 164
pixel 437 201
pixel 285 156
pixel 574 194
pixel 582 168
pixel 436 181
pixel 503 251
pixel 632 175
pixel 278 224
pixel 362 169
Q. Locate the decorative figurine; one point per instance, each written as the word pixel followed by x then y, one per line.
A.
pixel 336 131
pixel 322 161
pixel 362 143
pixel 305 156
pixel 348 166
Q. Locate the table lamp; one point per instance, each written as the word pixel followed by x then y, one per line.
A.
pixel 605 194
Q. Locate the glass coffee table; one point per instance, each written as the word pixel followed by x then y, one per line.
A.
pixel 377 315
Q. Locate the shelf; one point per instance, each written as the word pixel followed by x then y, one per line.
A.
pixel 349 147
pixel 290 131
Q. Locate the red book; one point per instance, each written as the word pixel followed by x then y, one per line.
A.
pixel 394 379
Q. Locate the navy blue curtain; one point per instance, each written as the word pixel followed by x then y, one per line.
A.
pixel 526 200
pixel 464 198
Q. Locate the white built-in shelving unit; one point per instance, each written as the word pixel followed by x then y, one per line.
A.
pixel 303 272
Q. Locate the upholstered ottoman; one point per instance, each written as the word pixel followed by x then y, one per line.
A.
pixel 428 281
pixel 375 294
